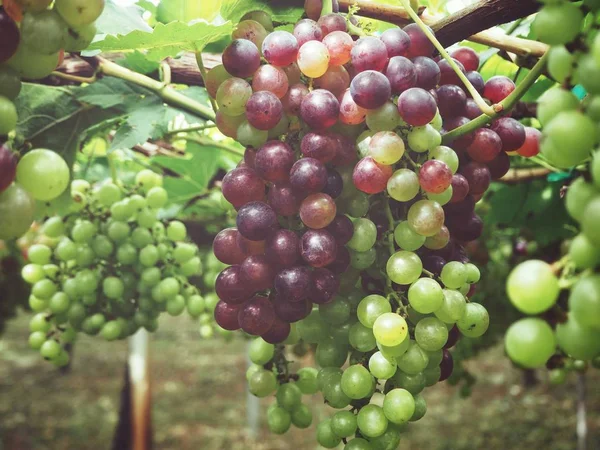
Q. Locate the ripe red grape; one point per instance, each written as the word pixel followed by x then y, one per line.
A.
pixel 370 89
pixel 485 146
pixel 308 175
pixel 278 332
pixel 334 185
pixel 250 247
pixel 270 78
pixel 280 48
pixel 499 166
pixel 332 22
pixel 511 132
pixel 371 177
pixel 320 109
pixel 369 53
pixel 291 311
pixel 472 110
pixel 226 315
pixel 8 167
pixel 476 80
pixel 9 36
pixel 281 248
pixel 498 88
pixel 336 80
pixel 531 146
pixel 307 30
pixel 230 287
pixel 256 316
pixel 467 57
pixel 350 112
pixel 397 42
pixel 293 99
pixel 324 285
pixel 478 176
pixel 284 200
pixel 274 160
pixel 451 100
pixel 447 73
pixel 256 220
pixel 241 58
pixel 317 210
pixel 242 185
pixel 293 283
pixel 428 72
pixel 339 44
pixel 463 141
pixel 226 248
pixel 420 45
pixel 435 176
pixel 257 272
pixel 460 188
pixel 318 248
pixel 417 107
pixel 345 150
pixel 319 146
pixel 401 73
pixel 264 110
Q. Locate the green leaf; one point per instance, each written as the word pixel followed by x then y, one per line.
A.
pixel 120 19
pixel 279 10
pixel 187 10
pixel 138 62
pixel 166 40
pixel 148 121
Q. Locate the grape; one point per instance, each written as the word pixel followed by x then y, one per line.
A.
pixel 578 197
pixel 261 17
pixel 511 132
pixel 293 99
pixel 435 176
pixel 8 116
pixel 386 147
pixel 371 177
pixel 262 383
pixel 33 65
pixel 397 42
pixel 530 342
pixel 274 161
pixel 447 73
pixel 278 419
pixel 47 24
pixel 284 200
pixel 479 84
pixel 406 238
pixel 270 78
pixel 319 109
pixel 403 185
pixel 381 367
pixel 10 83
pixel 232 96
pixel 371 421
pixel 256 316
pixel 251 30
pixel 317 210
pixel 332 22
pixel 467 57
pixel 214 78
pixel 313 59
pixel 350 112
pixel 343 423
pixel 421 139
pixel 369 53
pixel 390 329
pixel 9 36
pixel 334 185
pixel 420 45
pixel 325 436
pixel 356 381
pixel 293 284
pixel 34 5
pixel 478 177
pixel 584 302
pixel 417 107
pixel 451 100
pixel 384 118
pixel 532 287
pixel 339 45
pixel 50 349
pixel 364 236
pixel 370 89
pixel 499 166
pixel 399 406
pixel 318 248
pixel 371 307
pixel 280 48
pixel 307 30
pixel 426 217
pixel 452 308
pixel 475 321
pixel 445 155
pixel 428 72
pixel 577 340
pixel 282 248
pixel 313 329
pixel 431 334
pixel 426 295
pixel 557 24
pixel 572 129
pixel 263 110
pixel 531 145
pixel 16 211
pixel 361 337
pixel 498 88
pixel 336 80
pixel 454 275
pixel 79 12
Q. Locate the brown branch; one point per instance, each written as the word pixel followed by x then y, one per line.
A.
pixel 524 174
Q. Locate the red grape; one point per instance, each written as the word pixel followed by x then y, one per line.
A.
pixel 435 176
pixel 369 53
pixel 228 125
pixel 371 177
pixel 350 112
pixel 420 45
pixel 334 185
pixel 250 247
pixel 8 167
pixel 256 220
pixel 397 42
pixel 270 78
pixel 342 228
pixel 478 176
pixel 345 150
pixel 324 285
pixel 278 332
pixel 317 210
pixel 460 188
pixel 242 185
pixel 264 110
pixel 284 200
pixel 485 146
pixel 511 132
pixel 250 30
pixel 463 141
pixel 428 72
pixel 531 146
pixel 318 248
pixel 274 160
pixel 498 88
pixel 339 44
pixel 417 107
pixel 226 248
pixel 370 89
pixel 336 80
pixel 280 48
pixel 230 287
pixel 332 22
pixel 9 36
pixel 293 283
pixel 320 109
pixel 257 316
pixel 308 175
pixel 241 58
pixel 401 73
pixel 446 366
pixel 319 146
pixel 451 100
pixel 291 311
pixel 281 248
pixel 226 316
pixel 499 166
pixel 447 73
pixel 467 57
pixel 307 30
pixel 476 80
pixel 472 110
pixel 293 99
pixel 257 273
pixel 342 261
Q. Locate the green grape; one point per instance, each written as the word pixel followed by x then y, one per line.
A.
pixel 10 83
pixel 425 295
pixel 37 339
pixel 394 351
pixel 79 12
pixel 80 38
pixel 532 287
pixel 442 199
pixel 278 419
pixel 364 237
pixel 118 231
pixel 435 358
pixel 403 185
pixel 404 267
pixel 422 139
pixel 357 205
pixel 111 330
pixel 148 256
pixel 584 302
pixel 371 421
pixel 420 408
pixel 176 231
pixel 557 376
pixel 426 217
pixel 44 289
pixel 113 287
pixel 406 238
pixel 53 227
pixel 398 406
pixel 37 304
pixel 569 129
pixel 8 116
pixel 343 423
pixel 553 102
pixel 356 381
pixel 363 142
pixel 530 342
pixel 453 307
pixel 302 416
pixel 16 211
pixel 260 352
pixel 191 267
pixel 558 24
pixel 475 321
pixel 363 260
pixel 335 312
pixel 59 303
pixel 147 179
pixel 31 64
pixel 86 282
pixel 360 444
pixel 39 322
pixel 43 173
pixel 66 250
pixel 390 329
pixel 579 194
pixel 102 246
pixel 431 334
pixel 333 393
pixel 288 396
pixel 76 314
pixel 47 24
pixel 331 353
pixel 232 96
pixel 157 197
pixel 381 367
pixel 454 275
pixel 127 254
pixel 176 305
pixel 140 237
pixel 313 328
pixel 473 273
pixel 591 220
pixel 83 231
pixel 169 287
pixel 249 136
pixel 560 63
pixel 325 435
pixel 195 305
pixel 50 349
pixel 446 155
pixel 414 360
pixel 578 341
pixel 39 254
pixel 384 118
pixel 371 307
pixel 32 273
pixel 437 122
pixel 307 380
pixel 361 337
pixel 583 253
pixel 280 129
pixel 262 383
pixel 386 147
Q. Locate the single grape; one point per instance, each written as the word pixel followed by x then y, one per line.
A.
pixel 530 342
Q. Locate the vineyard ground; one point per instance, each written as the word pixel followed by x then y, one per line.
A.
pixel 198 400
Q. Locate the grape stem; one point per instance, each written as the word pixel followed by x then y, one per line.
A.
pixel 74 78
pixel 505 105
pixel 353 29
pixel 192 129
pixel 428 273
pixel 545 164
pixel 203 74
pixel 327 7
pixel 487 109
pixel 412 162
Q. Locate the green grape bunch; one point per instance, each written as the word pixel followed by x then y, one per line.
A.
pixel 109 268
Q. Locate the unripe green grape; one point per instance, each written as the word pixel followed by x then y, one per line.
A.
pixel 80 38
pixel 69 335
pixel 454 275
pixel 278 419
pixel 169 287
pixel 557 24
pixel 86 281
pixel 288 396
pixel 146 217
pixel 553 102
pixel 398 406
pixel 437 122
pixel 381 367
pixel 557 376
pixel 361 337
pixel 578 341
pixel 325 435
pixel 403 185
pixel 8 113
pixel 446 155
pixel 118 231
pixel 148 179
pixel 473 273
pixel 390 329
pixel 44 289
pixel 37 304
pixel 302 416
pixel 66 250
pixel 148 256
pixel 386 147
pixel 176 231
pixel 357 205
pixel 363 142
pixel 43 173
pixel 249 136
pixel 176 305
pixel 260 352
pixel 183 252
pixel 361 444
pixel 364 237
pixel 583 253
pixel 425 295
pixel 392 352
pixel 10 83
pixel 157 197
pixel 111 330
pixel 307 380
pixel 578 196
pixel 50 349
pixel 591 220
pixel 37 339
pixel 414 360
pixel 453 306
pixel 113 287
pixel 40 322
pixel 76 314
pixel 343 423
pixel 232 96
pixel 53 227
pixel 420 408
pixel 140 237
pixel 532 287
pixel 138 202
pixel 31 64
pixel 584 302
pixel 422 139
pixel 371 307
pixel 475 320
pixel 79 12
pixel 127 254
pixel 39 254
pixel 560 63
pixel 431 334
pixel 570 129
pixel 356 381
pixel 371 421
pixel 406 238
pixel 530 342
pixel 442 198
pixel 335 312
pixel 32 273
pixel 59 303
pixel 313 328
pixel 85 256
pixel 404 267
pixel 262 383
pixel 363 260
pixel 384 118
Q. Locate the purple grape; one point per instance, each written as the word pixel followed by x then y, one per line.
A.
pixel 370 89
pixel 498 88
pixel 447 365
pixel 434 263
pixel 472 110
pixel 9 36
pixel 485 146
pixel 318 248
pixel 242 185
pixel 447 73
pixel 401 73
pixel 291 311
pixel 467 57
pixel 460 188
pixel 320 109
pixel 324 285
pixel 319 146
pixel 249 157
pixel 499 166
pixel 332 22
pixel 334 185
pixel 417 107
pixel 293 99
pixel 511 132
pixel 478 176
pixel 256 221
pixel 282 248
pixel 241 58
pixel 278 332
pixel 428 72
pixel 341 228
pixel 346 151
pixel 274 160
pixel 280 48
pixel 465 140
pixel 230 287
pixel 264 110
pixel 226 316
pixel 226 248
pixel 420 45
pixel 307 30
pixel 451 100
pixel 308 175
pixel 293 284
pixel 476 80
pixel 453 337
pixel 396 41
pixel 342 261
pixel 466 230
pixel 369 53
pixel 257 273
pixel 257 316
pixel 463 208
pixel 284 200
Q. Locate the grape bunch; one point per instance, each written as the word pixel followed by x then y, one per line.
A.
pixel 351 215
pixel 565 296
pixel 33 45
pixel 109 268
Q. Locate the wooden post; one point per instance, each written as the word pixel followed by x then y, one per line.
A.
pixel 139 378
pixel 581 413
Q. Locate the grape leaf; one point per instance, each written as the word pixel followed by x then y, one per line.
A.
pixel 166 40
pixel 121 18
pixel 138 62
pixel 279 10
pixel 187 10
